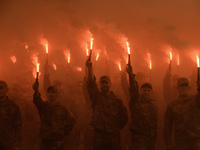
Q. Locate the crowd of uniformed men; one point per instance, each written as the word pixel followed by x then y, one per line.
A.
pixel 91 116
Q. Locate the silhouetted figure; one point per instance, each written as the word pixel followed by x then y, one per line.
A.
pixel 109 113
pixel 143 115
pixel 10 121
pixel 56 120
pixel 176 116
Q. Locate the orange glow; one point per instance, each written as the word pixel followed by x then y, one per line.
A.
pixel 97 57
pixel 13 59
pixel 91 43
pixel 170 55
pixel 47 48
pixel 68 59
pixel 38 67
pixel 197 61
pixel 26 46
pixel 79 69
pixel 120 67
pixel 54 66
pixel 128 48
pixel 178 61
pixel 150 65
pixel 87 51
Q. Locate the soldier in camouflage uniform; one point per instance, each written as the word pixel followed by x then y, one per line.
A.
pixel 109 113
pixel 176 116
pixel 143 115
pixel 10 121
pixel 56 120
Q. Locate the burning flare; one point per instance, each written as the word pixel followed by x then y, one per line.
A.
pixel 197 61
pixel 170 53
pixel 91 43
pixel 47 48
pixel 68 58
pixel 13 59
pixel 128 48
pixel 150 65
pixel 97 57
pixel 87 51
pixel 120 67
pixel 38 67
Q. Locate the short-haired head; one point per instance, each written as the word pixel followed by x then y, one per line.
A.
pixel 3 84
pixel 147 85
pixel 52 89
pixel 182 81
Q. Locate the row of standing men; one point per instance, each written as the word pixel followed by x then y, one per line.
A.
pixel 108 117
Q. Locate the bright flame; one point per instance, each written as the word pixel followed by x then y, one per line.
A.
pixel 178 60
pixel 120 67
pixel 68 58
pixel 170 53
pixel 150 65
pixel 197 61
pixel 47 48
pixel 13 59
pixel 79 69
pixel 87 51
pixel 67 55
pixel 54 66
pixel 97 57
pixel 38 67
pixel 91 43
pixel 128 48
pixel 149 60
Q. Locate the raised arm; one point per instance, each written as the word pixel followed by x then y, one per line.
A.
pixel 91 84
pixel 133 89
pixel 36 97
pixel 167 87
pixel 46 81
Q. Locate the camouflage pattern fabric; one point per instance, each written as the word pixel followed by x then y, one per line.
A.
pixel 56 120
pixel 176 116
pixel 109 113
pixel 143 118
pixel 10 125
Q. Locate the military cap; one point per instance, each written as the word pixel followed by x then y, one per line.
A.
pixel 182 80
pixel 105 78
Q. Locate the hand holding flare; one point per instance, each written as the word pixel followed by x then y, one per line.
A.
pixel 38 70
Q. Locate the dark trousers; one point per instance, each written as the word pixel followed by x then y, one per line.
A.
pixel 103 140
pixel 52 145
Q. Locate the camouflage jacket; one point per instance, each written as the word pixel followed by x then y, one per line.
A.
pixel 10 123
pixel 56 120
pixel 193 118
pixel 176 115
pixel 143 112
pixel 109 113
